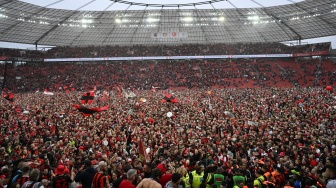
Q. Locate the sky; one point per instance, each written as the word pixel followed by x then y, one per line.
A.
pixel 99 5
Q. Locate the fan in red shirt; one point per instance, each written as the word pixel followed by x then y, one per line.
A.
pixel 131 176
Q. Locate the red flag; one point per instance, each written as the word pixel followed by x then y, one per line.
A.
pixel 89 111
pixel 8 95
pixel 87 98
pixel 169 98
pixel 142 151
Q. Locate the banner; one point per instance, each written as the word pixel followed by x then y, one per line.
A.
pixel 173 34
pixel 311 54
pixel 2 58
pixel 27 59
pixel 252 123
pixel 167 57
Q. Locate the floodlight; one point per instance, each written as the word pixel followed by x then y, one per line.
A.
pixel 253 18
pixel 188 19
pixel 152 20
pixel 86 21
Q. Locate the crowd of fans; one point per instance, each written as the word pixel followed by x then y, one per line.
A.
pixel 142 75
pixel 166 50
pixel 267 137
pixel 237 125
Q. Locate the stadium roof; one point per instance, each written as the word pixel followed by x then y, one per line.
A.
pixel 119 22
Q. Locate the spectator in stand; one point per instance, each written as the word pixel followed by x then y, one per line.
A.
pixel 131 176
pixel 61 180
pixel 331 174
pixel 86 176
pixel 100 180
pixel 147 170
pixel 282 130
pixel 152 182
pixel 175 181
pixel 196 176
pixel 34 176
pixel 24 176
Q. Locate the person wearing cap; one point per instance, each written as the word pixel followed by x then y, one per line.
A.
pixel 61 180
pixel 86 176
pixel 175 181
pixel 100 179
pixel 34 175
pixel 131 176
pixel 196 177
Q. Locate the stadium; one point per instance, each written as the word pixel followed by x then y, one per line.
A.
pixel 183 94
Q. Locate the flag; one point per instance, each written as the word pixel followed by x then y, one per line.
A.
pixel 252 123
pixel 8 96
pixel 46 92
pixel 87 98
pixel 89 111
pixel 169 98
pixel 142 151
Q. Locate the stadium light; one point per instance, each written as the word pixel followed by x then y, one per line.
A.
pixel 152 20
pixel 253 18
pixel 188 19
pixel 221 19
pixel 86 21
pixel 3 16
pixel 118 20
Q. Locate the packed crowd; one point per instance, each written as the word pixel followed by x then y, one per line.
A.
pixel 268 137
pixel 168 74
pixel 164 50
